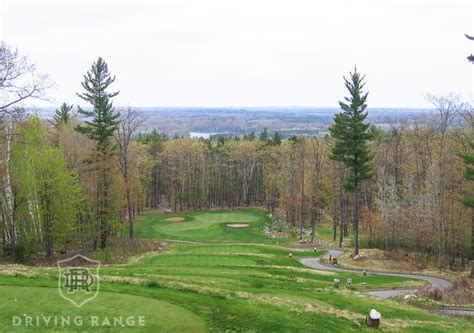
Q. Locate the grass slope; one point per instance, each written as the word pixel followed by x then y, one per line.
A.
pixel 242 281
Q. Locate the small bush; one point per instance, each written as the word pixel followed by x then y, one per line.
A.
pixel 432 292
pixel 153 284
pixel 24 250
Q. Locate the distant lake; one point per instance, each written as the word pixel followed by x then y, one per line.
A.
pixel 200 135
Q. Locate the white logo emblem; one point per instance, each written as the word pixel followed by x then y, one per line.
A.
pixel 78 279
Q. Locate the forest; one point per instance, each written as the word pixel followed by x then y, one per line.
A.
pixel 73 182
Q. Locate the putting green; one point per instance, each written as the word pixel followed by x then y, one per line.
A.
pixel 206 227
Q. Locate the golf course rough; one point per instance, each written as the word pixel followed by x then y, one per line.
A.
pixel 230 279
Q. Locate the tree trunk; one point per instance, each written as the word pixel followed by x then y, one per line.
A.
pixel 314 215
pixel 341 204
pixel 130 209
pixel 104 228
pixel 472 246
pixel 356 217
pixel 302 190
pixel 8 202
pixel 272 207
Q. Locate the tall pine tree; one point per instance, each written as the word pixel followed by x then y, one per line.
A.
pixel 351 134
pixel 101 125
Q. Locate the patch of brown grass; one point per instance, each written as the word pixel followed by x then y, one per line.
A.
pixel 17 270
pixel 462 292
pixel 407 262
pixel 119 250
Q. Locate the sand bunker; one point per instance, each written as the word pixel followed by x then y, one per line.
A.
pixel 175 219
pixel 237 225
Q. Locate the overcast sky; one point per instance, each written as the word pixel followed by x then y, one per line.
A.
pixel 248 52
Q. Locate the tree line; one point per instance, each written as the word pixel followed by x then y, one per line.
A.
pixel 84 176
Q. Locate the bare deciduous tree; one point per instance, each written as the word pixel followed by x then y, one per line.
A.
pixel 19 79
pixel 130 121
pixel 446 110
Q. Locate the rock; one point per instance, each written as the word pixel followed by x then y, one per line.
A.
pixel 357 257
pixel 410 297
pixel 373 319
pixel 374 314
pixel 364 272
pixel 290 255
pixel 336 283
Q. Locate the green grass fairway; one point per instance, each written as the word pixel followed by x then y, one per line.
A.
pixel 233 280
pixel 206 227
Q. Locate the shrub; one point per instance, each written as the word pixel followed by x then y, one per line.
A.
pixel 153 284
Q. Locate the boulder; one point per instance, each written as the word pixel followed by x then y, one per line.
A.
pixel 410 297
pixel 373 319
pixel 374 314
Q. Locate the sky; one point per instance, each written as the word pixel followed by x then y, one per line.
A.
pixel 248 52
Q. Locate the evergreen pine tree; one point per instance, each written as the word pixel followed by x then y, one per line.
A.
pixel 62 115
pixel 264 136
pixel 351 134
pixel 100 127
pixel 276 138
pixel 249 136
pixel 104 120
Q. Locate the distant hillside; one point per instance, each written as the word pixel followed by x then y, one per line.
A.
pixel 233 120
